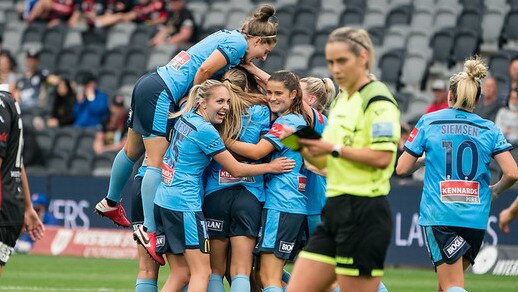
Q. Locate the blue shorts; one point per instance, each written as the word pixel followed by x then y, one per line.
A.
pixel 151 103
pixel 283 234
pixel 233 211
pixel 447 244
pixel 177 231
pixel 313 222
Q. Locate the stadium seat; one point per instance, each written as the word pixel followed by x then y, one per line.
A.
pixel 327 19
pixel 318 60
pixel 352 15
pixel 423 5
pixel 395 38
pixel 274 62
pixel 311 3
pixel 90 58
pixel 141 35
pixel 45 139
pixel 492 23
pixel 199 9
pixel 33 36
pixel 418 40
pixel 114 58
pixel 55 37
pixel 444 17
pixel 395 3
pixel 74 37
pixel 48 59
pixel 80 165
pixel 442 45
pixel 337 5
pixel 320 39
pixel 305 18
pixel 159 56
pixel 109 80
pixel 473 4
pixel 102 164
pixel 129 76
pixel 422 18
pixel 67 59
pixel 99 36
pixel 414 69
pixel 400 15
pixel 503 82
pixel 377 34
pixel 510 29
pixel 81 73
pixel 357 3
pixel 12 36
pixel 285 15
pixel 136 58
pixel 235 17
pixel 382 4
pixel 283 40
pixel 119 34
pixel 300 36
pixel 499 62
pixel 470 18
pixel 65 140
pixel 214 18
pixel 298 57
pixel 374 17
pixel 465 45
pixel 403 98
pixel 390 65
pixel 57 164
pixel 84 144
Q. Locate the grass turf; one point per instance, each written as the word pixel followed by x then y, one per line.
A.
pixel 46 273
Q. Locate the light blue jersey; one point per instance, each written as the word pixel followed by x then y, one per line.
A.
pixel 458 146
pixel 316 184
pixel 285 191
pixel 256 122
pixel 179 73
pixel 193 144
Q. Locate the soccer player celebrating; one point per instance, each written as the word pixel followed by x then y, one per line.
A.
pixel 456 146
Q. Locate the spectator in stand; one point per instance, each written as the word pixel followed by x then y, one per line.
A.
pixel 91 106
pixel 488 106
pixel 513 73
pixel 150 12
pixel 7 69
pixel 507 118
pixel 62 98
pixel 54 11
pixel 180 27
pixel 113 134
pixel 31 87
pixel 440 93
pixel 40 203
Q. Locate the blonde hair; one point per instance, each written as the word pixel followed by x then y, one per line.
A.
pixel 323 89
pixel 262 24
pixel 358 40
pixel 197 93
pixel 465 85
pixel 236 82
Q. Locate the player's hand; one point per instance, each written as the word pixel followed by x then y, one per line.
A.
pixel 506 217
pixel 33 224
pixel 281 165
pixel 316 147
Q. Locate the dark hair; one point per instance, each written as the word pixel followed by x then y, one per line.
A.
pixel 515 89
pixel 262 24
pixel 291 81
pixel 10 57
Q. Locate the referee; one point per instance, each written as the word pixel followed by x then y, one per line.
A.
pixel 359 150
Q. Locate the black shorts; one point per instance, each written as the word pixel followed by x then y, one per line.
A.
pixel 8 237
pixel 133 190
pixel 177 231
pixel 283 234
pixel 233 211
pixel 151 103
pixel 447 244
pixel 354 235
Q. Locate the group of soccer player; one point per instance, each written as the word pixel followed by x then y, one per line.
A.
pixel 222 196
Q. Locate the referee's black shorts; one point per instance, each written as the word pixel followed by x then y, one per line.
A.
pixel 354 235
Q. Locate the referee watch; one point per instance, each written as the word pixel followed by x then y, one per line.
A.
pixel 337 151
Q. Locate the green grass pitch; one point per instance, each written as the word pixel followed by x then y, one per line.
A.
pixel 46 273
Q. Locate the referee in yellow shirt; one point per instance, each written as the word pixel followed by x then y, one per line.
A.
pixel 358 149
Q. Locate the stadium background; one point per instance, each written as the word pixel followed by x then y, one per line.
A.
pixel 416 42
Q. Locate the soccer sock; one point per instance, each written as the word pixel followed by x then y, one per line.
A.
pixel 144 285
pixel 382 288
pixel 185 288
pixel 121 170
pixel 456 289
pixel 216 284
pixel 240 283
pixel 337 289
pixel 150 183
pixel 286 276
pixel 272 289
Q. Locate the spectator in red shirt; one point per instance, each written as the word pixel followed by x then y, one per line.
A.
pixel 54 11
pixel 440 93
pixel 150 12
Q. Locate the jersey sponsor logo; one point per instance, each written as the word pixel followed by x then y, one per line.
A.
pixel 160 240
pixel 226 178
pixel 3 137
pixel 286 247
pixel 167 174
pixel 382 130
pixel 455 245
pixel 459 191
pixel 301 184
pixel 179 60
pixel 215 225
pixel 412 135
pixel 276 130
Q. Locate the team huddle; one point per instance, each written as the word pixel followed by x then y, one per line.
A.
pixel 218 193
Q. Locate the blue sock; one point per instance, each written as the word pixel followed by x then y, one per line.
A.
pixel 185 288
pixel 456 289
pixel 272 289
pixel 216 284
pixel 240 283
pixel 337 289
pixel 286 276
pixel 150 183
pixel 382 288
pixel 121 171
pixel 144 285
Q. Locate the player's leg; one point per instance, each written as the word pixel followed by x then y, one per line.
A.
pixel 305 278
pixel 199 265
pixel 271 272
pixel 241 262
pixel 218 263
pixel 179 275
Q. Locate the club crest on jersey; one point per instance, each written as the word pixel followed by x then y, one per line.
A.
pixel 459 191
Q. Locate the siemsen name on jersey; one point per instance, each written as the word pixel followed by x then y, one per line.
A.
pixel 459 129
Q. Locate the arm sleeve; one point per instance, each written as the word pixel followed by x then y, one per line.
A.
pixel 414 145
pixel 383 123
pixel 501 144
pixel 233 48
pixel 209 141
